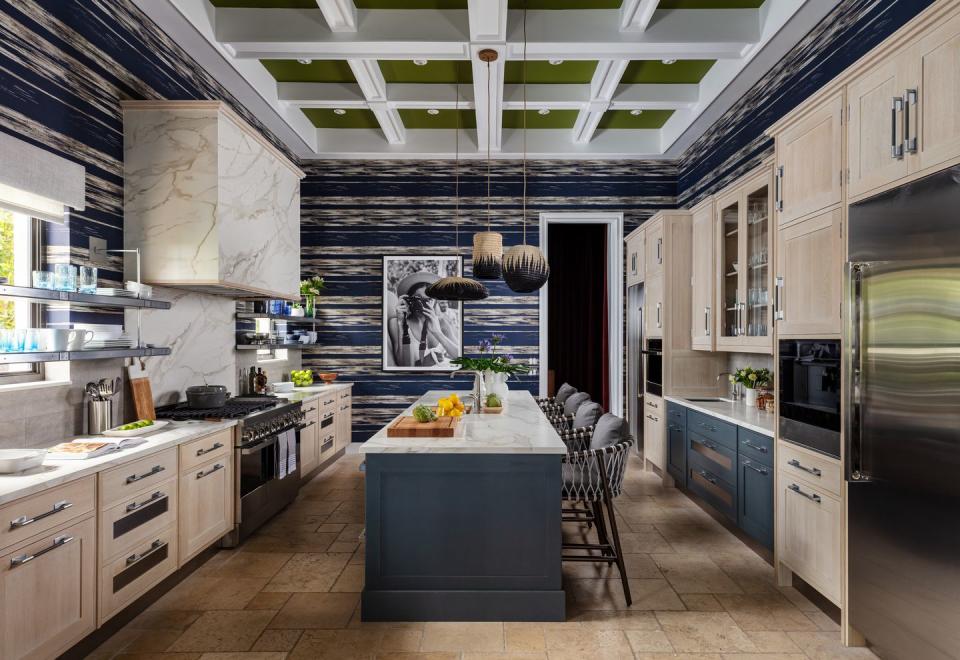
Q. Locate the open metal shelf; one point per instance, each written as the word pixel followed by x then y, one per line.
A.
pixel 93 300
pixel 92 354
pixel 277 317
pixel 250 347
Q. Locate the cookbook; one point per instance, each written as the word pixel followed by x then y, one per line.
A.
pixel 80 449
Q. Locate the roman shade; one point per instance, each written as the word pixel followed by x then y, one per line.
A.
pixel 37 182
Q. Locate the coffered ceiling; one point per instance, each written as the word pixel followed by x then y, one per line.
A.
pixel 381 78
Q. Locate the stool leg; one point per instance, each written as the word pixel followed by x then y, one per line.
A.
pixel 608 500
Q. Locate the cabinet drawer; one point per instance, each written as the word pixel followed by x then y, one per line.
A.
pixel 676 414
pixel 129 576
pixel 48 591
pixel 118 484
pixel 327 402
pixel 712 428
pixel 653 404
pixel 718 459
pixel 29 516
pixel 720 494
pixel 327 420
pixel 807 466
pixel 756 446
pixel 345 394
pixel 205 449
pixel 328 443
pixel 138 519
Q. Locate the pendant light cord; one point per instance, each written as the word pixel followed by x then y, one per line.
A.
pixel 488 146
pixel 524 123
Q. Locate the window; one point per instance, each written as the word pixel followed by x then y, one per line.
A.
pixel 18 257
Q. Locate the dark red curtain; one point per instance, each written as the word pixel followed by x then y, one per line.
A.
pixel 578 336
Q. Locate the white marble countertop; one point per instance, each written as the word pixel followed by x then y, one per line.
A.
pixel 735 412
pixel 313 391
pixel 53 473
pixel 521 428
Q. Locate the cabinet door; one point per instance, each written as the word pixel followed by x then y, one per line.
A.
pixel 677 453
pixel 702 279
pixel 727 325
pixel 653 249
pixel 809 283
pixel 310 439
pixel 935 58
pixel 344 423
pixel 755 269
pixel 809 162
pixel 48 603
pixel 875 132
pixel 635 259
pixel 755 500
pixel 654 440
pixel 809 530
pixel 206 506
pixel 653 306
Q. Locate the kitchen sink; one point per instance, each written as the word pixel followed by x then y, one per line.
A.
pixel 708 399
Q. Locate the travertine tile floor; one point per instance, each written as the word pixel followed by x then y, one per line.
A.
pixel 293 591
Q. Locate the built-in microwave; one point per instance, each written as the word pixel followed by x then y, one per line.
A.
pixel 653 356
pixel 810 394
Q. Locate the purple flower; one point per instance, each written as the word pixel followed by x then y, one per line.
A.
pixel 510 357
pixel 497 338
pixel 485 345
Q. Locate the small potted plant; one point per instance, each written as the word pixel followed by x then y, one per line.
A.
pixel 310 289
pixel 493 404
pixel 751 379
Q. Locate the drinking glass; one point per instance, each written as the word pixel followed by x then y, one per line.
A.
pixel 88 279
pixel 42 279
pixel 64 277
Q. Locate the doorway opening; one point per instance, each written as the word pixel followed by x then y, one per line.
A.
pixel 581 308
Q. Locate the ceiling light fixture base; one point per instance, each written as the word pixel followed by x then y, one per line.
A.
pixel 488 55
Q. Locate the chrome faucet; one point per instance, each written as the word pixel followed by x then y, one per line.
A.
pixel 735 394
pixel 476 395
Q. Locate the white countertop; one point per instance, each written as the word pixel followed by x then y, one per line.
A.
pixel 521 428
pixel 735 412
pixel 313 391
pixel 53 473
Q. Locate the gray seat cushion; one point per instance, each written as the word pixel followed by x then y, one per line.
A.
pixel 587 414
pixel 608 431
pixel 564 393
pixel 573 403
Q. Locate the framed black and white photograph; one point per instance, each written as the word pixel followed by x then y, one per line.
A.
pixel 420 333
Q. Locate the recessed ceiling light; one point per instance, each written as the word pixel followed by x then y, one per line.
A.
pixel 544 111
pixel 420 62
pixel 304 60
pixel 555 62
pixel 670 60
pixel 339 111
pixel 636 113
pixel 433 111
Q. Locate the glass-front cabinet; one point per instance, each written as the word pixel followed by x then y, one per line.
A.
pixel 744 240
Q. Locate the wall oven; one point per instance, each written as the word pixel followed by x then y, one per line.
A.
pixel 810 394
pixel 653 357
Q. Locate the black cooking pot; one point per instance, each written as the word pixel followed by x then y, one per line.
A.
pixel 207 396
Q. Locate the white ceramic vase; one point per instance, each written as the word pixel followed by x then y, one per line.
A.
pixel 751 397
pixel 496 383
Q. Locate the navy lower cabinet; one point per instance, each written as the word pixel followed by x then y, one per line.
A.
pixel 755 500
pixel 677 443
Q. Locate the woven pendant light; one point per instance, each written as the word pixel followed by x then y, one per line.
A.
pixel 525 269
pixel 488 245
pixel 455 287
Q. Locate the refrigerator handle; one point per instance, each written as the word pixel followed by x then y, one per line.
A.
pixel 896 147
pixel 855 392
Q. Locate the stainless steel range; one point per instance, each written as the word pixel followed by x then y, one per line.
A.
pixel 261 484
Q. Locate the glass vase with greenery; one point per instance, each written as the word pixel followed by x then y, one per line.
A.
pixel 310 289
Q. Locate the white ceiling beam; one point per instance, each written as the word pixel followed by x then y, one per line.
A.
pixel 488 20
pixel 606 80
pixel 322 95
pixel 655 97
pixel 635 15
pixel 374 88
pixel 341 15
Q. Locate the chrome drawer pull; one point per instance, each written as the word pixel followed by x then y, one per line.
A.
pixel 345 407
pixel 345 395
pixel 652 418
pixel 326 445
pixel 156 545
pixel 706 475
pixel 328 415
pixel 652 404
pixel 813 497
pixel 216 446
pixel 23 559
pixel 712 429
pixel 762 450
pixel 306 426
pixel 748 464
pixel 202 474
pixel 327 403
pixel 23 521
pixel 133 506
pixel 156 469
pixel 795 463
pixel 709 445
pixel 310 409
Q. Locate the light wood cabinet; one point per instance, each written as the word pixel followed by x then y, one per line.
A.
pixel 635 247
pixel 809 168
pixel 121 482
pixel 653 312
pixel 205 449
pixel 48 591
pixel 809 266
pixel 309 437
pixel 131 522
pixel 653 248
pixel 654 431
pixel 935 75
pixel 206 505
pixel 134 573
pixel 344 432
pixel 32 515
pixel 702 278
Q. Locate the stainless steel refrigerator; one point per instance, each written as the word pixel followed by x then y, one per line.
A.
pixel 902 378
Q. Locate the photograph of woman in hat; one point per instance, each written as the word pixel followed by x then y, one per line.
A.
pixel 420 333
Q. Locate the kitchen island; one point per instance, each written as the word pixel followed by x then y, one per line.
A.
pixel 466 528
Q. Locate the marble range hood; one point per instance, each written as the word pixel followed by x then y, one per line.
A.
pixel 212 205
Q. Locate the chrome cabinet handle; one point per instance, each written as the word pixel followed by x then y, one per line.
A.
pixel 759 448
pixel 652 418
pixel 327 403
pixel 854 339
pixel 306 426
pixel 659 322
pixel 813 497
pixel 156 469
pixel 777 300
pixel 896 148
pixel 909 143
pixel 778 189
pixel 310 409
pixel 709 445
pixel 344 407
pixel 326 443
pixel 652 404
pixel 814 471
pixel 23 521
pixel 741 315
pixel 708 427
pixel 633 263
pixel 202 474
pixel 133 506
pixel 748 464
pixel 216 446
pixel 328 415
pixel 706 475
pixel 706 321
pixel 345 395
pixel 156 545
pixel 57 543
pixel 659 250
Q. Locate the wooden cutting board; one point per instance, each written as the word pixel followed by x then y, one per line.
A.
pixel 409 427
pixel 141 391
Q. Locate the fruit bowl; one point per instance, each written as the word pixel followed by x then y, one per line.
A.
pixel 328 377
pixel 301 377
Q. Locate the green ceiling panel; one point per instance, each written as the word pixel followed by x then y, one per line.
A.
pixel 623 119
pixel 443 119
pixel 330 71
pixel 542 72
pixel 434 71
pixel 655 71
pixel 556 119
pixel 352 118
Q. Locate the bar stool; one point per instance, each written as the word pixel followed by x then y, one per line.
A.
pixel 593 472
pixel 586 415
pixel 555 403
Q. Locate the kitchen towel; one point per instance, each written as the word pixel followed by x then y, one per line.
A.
pixel 282 456
pixel 291 436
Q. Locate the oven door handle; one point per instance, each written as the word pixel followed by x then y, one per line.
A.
pixel 648 352
pixel 252 449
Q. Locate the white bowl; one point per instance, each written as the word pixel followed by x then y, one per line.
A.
pixel 18 460
pixel 283 387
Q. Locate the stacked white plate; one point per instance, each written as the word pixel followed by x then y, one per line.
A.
pixel 123 293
